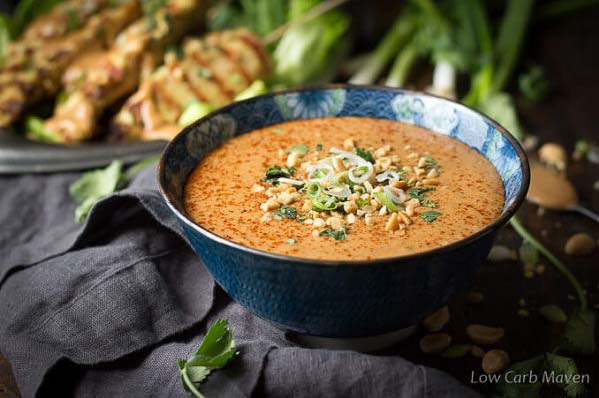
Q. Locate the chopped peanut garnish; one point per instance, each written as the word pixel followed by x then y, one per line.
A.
pixel 307 206
pixel 348 143
pixel 392 223
pixel 350 207
pixel 319 222
pixel 433 173
pixel 293 159
pixel 267 217
pixel 334 189
pixel 338 164
pixel 369 220
pixel 257 188
pixel 269 205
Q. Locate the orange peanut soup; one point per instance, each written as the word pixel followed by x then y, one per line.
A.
pixel 344 188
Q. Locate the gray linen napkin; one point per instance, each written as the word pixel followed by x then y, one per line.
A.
pixel 105 309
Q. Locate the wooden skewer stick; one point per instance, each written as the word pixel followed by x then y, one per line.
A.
pixel 315 12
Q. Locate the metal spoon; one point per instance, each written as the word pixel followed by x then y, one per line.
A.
pixel 552 191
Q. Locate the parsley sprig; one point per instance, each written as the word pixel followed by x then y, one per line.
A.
pixel 215 352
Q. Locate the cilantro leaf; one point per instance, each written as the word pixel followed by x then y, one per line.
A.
pixel 334 233
pixel 430 216
pixel 318 147
pixel 428 203
pixel 273 174
pixel 93 186
pixel 566 368
pixel 517 390
pixel 419 193
pixel 215 352
pixel 303 217
pixel 579 333
pixel 430 163
pixel 368 156
pixel 285 212
pixel 97 184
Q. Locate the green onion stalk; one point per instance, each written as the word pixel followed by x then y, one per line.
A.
pixel 486 94
pixel 396 38
pixel 528 237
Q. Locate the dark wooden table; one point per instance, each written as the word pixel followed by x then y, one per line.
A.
pixel 568 49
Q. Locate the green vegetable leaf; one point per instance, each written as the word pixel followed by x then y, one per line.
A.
pixel 73 20
pixel 93 186
pixel 430 216
pixel 566 367
pixel 193 111
pixel 419 193
pixel 302 149
pixel 36 130
pixel 97 184
pixel 273 173
pixel 579 333
pixel 258 87
pixel 318 147
pixel 505 389
pixel 368 156
pixel 285 212
pixel 334 233
pixel 428 203
pixel 215 352
pixel 501 107
pixel 4 36
pixel 533 84
pixel 311 52
pixel 26 11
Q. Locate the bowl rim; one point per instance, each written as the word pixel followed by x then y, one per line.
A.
pixel 392 261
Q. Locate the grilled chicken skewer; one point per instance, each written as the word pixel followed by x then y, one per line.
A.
pixel 212 70
pixel 36 63
pixel 97 82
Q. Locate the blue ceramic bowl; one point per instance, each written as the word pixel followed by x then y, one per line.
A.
pixel 343 298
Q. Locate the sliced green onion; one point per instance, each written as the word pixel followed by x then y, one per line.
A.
pixel 387 175
pixel 341 191
pixel 291 181
pixel 321 172
pixel 341 178
pixel 395 194
pixel 352 157
pixel 360 174
pixel 313 190
pixel 193 111
pixel 324 203
pixel 388 203
pixel 302 149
